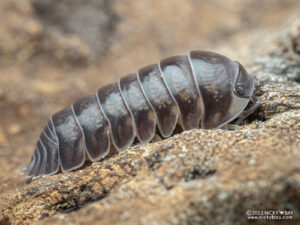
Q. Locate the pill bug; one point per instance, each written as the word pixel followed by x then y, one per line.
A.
pixel 201 89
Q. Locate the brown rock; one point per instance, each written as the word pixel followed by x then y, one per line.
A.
pixel 56 31
pixel 191 178
pixel 14 129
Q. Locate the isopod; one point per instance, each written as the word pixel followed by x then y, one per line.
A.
pixel 201 89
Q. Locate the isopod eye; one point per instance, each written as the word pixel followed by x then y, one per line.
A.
pixel 243 84
pixel 239 90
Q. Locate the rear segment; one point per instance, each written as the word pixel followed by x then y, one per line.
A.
pixel 45 158
pixel 71 134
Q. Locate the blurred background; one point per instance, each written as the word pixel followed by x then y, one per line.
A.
pixel 53 52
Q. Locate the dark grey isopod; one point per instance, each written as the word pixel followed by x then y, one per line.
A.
pixel 202 89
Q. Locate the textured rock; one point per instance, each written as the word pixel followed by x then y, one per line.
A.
pixel 86 25
pixel 57 31
pixel 191 178
pixel 195 177
pixel 284 59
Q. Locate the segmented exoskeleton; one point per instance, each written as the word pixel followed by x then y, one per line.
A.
pixel 202 89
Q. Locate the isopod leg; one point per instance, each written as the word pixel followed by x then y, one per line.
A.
pixel 255 104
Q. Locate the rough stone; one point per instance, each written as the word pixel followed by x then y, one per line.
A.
pixel 190 178
pixel 284 59
pixel 56 31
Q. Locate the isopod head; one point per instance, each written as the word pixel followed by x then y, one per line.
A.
pixel 224 86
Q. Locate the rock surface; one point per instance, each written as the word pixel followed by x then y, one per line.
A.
pixel 56 31
pixel 194 177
